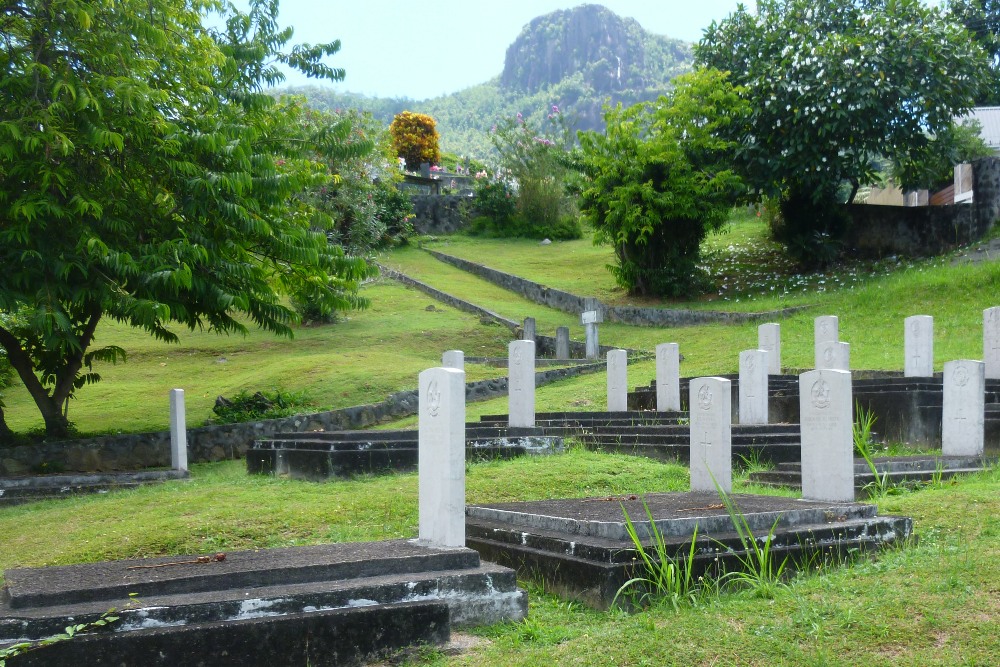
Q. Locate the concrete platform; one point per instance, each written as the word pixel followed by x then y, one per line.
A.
pixel 901 470
pixel 30 488
pixel 221 601
pixel 580 548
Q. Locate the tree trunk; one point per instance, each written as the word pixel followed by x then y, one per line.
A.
pixel 6 435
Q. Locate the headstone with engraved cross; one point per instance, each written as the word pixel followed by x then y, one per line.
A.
pixel 441 457
pixel 918 346
pixel 753 387
pixel 991 342
pixel 668 372
pixel 521 383
pixel 711 413
pixel 825 408
pixel 963 412
pixel 617 381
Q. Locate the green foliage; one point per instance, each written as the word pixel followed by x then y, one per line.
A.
pixel 759 570
pixel 246 407
pixel 931 167
pixel 496 202
pixel 661 578
pixel 659 181
pixel 982 19
pixel 533 167
pixel 14 650
pixel 415 138
pixel 835 86
pixel 146 178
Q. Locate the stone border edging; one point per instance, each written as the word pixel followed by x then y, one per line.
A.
pixel 573 304
pixel 545 345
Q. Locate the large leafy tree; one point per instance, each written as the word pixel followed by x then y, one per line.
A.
pixel 982 19
pixel 833 86
pixel 659 179
pixel 146 177
pixel 416 138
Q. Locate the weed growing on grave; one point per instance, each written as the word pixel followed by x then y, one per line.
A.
pixel 752 462
pixel 106 619
pixel 880 486
pixel 663 579
pixel 759 570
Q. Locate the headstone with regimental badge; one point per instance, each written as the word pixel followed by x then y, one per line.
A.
pixel 753 387
pixel 668 372
pixel 711 434
pixel 833 355
pixel 617 381
pixel 918 346
pixel 827 428
pixel 963 413
pixel 521 383
pixel 441 457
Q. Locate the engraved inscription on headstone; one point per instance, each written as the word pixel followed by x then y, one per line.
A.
pixel 825 408
pixel 521 383
pixel 668 390
pixel 963 410
pixel 441 457
pixel 711 434
pixel 918 346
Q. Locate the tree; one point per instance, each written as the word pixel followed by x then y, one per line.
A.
pixel 660 180
pixel 146 177
pixel 982 19
pixel 416 138
pixel 833 86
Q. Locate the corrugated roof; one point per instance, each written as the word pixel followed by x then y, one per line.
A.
pixel 989 118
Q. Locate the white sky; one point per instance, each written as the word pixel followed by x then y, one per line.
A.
pixel 421 49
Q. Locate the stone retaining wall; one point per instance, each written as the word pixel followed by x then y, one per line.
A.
pixel 573 304
pixel 230 441
pixel 441 214
pixel 916 231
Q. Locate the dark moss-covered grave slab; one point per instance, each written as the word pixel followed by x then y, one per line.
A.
pixel 318 605
pixel 911 471
pixel 323 455
pixel 580 547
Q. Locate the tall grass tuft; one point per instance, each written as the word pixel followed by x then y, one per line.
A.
pixel 760 572
pixel 664 579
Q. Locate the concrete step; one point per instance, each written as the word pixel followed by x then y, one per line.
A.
pixel 681 453
pixel 902 471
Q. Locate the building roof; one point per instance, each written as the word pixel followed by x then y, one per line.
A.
pixel 989 118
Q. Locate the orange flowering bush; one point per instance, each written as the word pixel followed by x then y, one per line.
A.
pixel 415 138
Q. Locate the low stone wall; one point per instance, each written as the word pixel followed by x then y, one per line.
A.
pixel 571 303
pixel 231 441
pixel 441 214
pixel 918 231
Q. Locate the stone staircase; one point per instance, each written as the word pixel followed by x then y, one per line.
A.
pixel 323 455
pixel 26 489
pixel 664 436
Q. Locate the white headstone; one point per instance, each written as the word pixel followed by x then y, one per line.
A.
pixel 521 383
pixel 668 377
pixel 833 355
pixel 178 431
pixel 593 344
pixel 918 346
pixel 826 328
pixel 617 381
pixel 562 343
pixel 991 342
pixel 711 434
pixel 441 457
pixel 528 329
pixel 963 415
pixel 753 387
pixel 453 359
pixel 825 409
pixel 769 338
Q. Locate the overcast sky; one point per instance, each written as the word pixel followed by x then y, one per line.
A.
pixel 422 49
